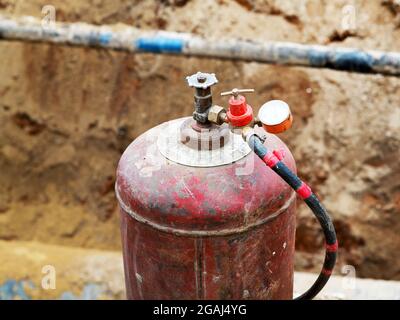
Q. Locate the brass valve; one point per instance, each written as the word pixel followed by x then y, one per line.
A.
pixel 217 115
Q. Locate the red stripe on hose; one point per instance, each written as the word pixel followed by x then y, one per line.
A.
pixel 270 159
pixel 304 191
pixel 332 247
pixel 280 154
pixel 326 272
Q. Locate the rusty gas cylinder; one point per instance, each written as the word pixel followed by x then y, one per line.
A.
pixel 201 217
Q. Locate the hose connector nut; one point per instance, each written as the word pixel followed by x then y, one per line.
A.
pixel 217 115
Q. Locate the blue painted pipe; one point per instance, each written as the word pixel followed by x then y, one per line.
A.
pixel 161 42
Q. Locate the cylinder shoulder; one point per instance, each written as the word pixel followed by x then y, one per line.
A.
pixel 227 198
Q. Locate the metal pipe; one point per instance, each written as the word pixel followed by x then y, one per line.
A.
pixel 120 37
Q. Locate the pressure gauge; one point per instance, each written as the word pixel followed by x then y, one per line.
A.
pixel 275 116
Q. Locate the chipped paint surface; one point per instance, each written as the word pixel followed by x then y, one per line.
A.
pixel 205 232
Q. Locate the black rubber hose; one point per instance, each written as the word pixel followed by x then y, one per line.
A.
pixel 313 203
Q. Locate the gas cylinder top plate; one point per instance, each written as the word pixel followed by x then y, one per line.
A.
pixel 170 145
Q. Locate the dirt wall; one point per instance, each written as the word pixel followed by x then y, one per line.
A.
pixel 67 114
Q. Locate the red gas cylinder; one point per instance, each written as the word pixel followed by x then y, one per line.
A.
pixel 201 216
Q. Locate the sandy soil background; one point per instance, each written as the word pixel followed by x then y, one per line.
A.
pixel 67 114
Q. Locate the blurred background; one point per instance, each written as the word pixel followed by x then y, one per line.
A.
pixel 67 114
